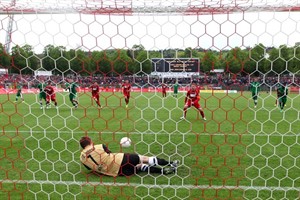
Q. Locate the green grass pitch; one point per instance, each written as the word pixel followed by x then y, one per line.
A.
pixel 240 152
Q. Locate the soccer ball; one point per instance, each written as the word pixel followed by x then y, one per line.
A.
pixel 125 142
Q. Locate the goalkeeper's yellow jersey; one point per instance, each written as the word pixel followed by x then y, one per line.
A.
pixel 98 160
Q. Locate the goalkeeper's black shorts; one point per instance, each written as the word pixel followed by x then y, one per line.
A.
pixel 128 165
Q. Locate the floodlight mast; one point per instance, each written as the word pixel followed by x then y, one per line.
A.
pixel 9 28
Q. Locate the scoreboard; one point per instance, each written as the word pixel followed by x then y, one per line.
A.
pixel 176 65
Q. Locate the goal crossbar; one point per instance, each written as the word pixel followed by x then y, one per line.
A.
pixel 186 7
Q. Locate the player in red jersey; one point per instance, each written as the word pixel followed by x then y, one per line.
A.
pixel 95 93
pixel 192 99
pixel 126 89
pixel 164 89
pixel 50 95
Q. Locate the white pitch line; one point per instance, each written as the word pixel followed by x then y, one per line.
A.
pixel 215 187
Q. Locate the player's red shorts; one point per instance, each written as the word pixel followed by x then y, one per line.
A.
pixel 196 104
pixel 51 97
pixel 164 91
pixel 95 96
pixel 126 95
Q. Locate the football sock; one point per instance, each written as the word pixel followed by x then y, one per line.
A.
pixel 153 161
pixel 146 168
pixel 202 113
pixel 184 112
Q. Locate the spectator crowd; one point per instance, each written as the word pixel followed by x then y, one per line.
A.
pixel 219 80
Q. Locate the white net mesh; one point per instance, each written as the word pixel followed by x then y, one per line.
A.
pixel 242 151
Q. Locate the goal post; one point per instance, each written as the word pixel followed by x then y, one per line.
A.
pixel 242 56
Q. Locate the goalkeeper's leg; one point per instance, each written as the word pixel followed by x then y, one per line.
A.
pixel 134 163
pixel 152 169
pixel 154 161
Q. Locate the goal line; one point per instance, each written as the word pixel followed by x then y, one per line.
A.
pixel 214 187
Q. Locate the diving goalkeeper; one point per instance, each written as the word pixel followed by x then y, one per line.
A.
pixel 101 160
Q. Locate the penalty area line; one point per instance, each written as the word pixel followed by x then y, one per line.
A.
pixel 162 133
pixel 189 186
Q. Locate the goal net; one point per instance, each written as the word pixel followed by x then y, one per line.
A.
pixel 243 56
